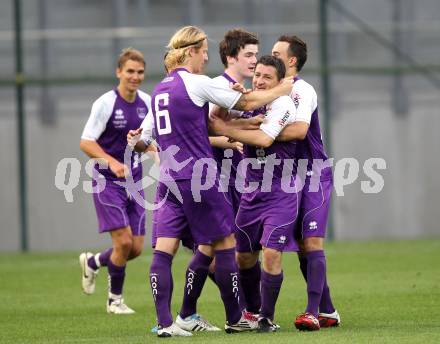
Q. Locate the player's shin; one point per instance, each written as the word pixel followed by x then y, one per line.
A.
pixel 226 276
pixel 250 285
pixel 196 275
pixel 161 284
pixel 270 289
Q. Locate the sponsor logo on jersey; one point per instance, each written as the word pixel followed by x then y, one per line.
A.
pixel 282 239
pixel 119 114
pixel 283 120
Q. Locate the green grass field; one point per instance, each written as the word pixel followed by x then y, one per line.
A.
pixel 386 292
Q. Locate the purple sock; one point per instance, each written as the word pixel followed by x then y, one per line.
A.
pixel 326 304
pixel 270 289
pixel 116 278
pixel 226 276
pixel 161 282
pixel 104 257
pixel 196 275
pixel 250 284
pixel 303 265
pixel 315 280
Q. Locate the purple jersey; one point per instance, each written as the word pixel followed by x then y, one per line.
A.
pixel 305 99
pixel 110 120
pixel 277 115
pixel 180 114
pixel 219 152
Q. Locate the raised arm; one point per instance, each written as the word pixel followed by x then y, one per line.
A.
pixel 256 99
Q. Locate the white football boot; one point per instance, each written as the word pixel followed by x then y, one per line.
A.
pixel 117 306
pixel 88 276
pixel 172 331
pixel 195 323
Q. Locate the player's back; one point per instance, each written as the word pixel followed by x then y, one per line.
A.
pixel 181 123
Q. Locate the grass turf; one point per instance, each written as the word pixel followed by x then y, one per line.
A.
pixel 386 292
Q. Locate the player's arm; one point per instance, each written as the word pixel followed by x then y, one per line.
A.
pixel 247 123
pixel 141 139
pixel 93 129
pixel 294 131
pixel 251 137
pixel 95 151
pixel 202 88
pixel 306 102
pixel 255 99
pixel 281 111
pixel 233 116
pixel 225 143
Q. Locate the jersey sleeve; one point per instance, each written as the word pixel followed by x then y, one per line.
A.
pixel 202 89
pixel 306 99
pixel 281 111
pixel 99 116
pixel 146 98
pixel 147 126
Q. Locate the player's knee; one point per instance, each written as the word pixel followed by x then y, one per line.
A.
pixel 245 260
pixel 135 252
pixel 207 250
pixel 125 245
pixel 272 261
pixel 313 244
pixel 224 243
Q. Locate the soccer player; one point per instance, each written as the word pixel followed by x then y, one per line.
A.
pixel 314 204
pixel 180 111
pixel 238 52
pixel 104 139
pixel 263 223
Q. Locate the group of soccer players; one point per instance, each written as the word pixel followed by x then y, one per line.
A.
pixel 256 135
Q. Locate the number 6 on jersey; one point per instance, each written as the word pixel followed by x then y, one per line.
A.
pixel 166 129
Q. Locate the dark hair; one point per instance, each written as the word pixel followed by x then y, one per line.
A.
pixel 277 63
pixel 297 48
pixel 233 41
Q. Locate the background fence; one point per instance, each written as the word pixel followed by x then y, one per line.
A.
pixel 381 67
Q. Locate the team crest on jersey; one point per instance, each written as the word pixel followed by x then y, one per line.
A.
pixel 313 225
pixel 142 112
pixel 119 114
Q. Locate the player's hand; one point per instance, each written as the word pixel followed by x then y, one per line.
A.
pixel 238 146
pixel 118 169
pixel 240 88
pixel 255 122
pixel 133 137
